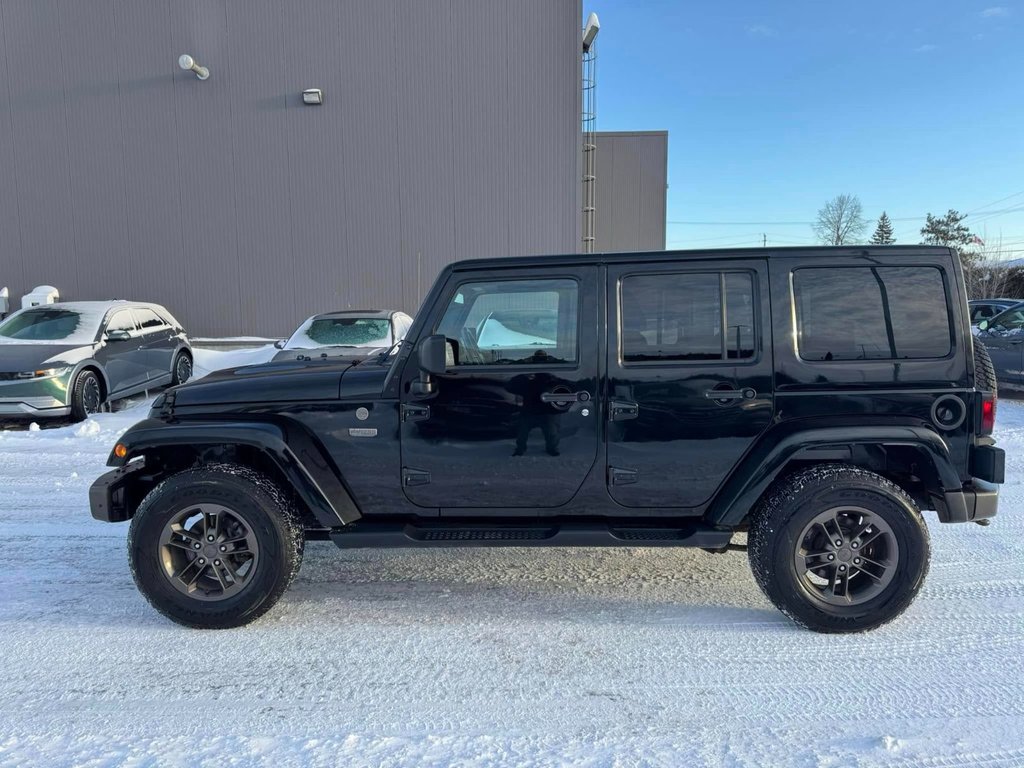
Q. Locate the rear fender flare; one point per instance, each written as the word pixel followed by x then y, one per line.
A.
pixel 299 459
pixel 764 463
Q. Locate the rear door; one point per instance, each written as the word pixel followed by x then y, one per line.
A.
pixel 513 422
pixel 689 377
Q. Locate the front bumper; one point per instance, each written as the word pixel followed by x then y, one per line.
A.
pixel 108 495
pixel 45 396
pixel 33 406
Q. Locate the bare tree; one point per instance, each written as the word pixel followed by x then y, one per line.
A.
pixel 841 221
pixel 989 275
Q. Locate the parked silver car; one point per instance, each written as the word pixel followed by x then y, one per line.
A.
pixel 352 333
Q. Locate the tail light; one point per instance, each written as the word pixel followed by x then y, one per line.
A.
pixel 988 413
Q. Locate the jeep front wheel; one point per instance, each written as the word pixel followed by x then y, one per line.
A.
pixel 215 547
pixel 838 548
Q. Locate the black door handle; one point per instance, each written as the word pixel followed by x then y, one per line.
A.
pixel 564 398
pixel 746 393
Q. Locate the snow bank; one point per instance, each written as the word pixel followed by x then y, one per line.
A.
pixel 477 657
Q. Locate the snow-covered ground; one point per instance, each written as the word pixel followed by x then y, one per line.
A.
pixel 485 657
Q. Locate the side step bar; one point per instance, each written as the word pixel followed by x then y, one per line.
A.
pixel 365 533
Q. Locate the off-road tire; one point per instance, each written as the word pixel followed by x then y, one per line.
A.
pixel 268 511
pixel 794 501
pixel 81 391
pixel 984 371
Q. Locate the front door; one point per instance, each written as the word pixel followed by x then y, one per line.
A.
pixel 689 377
pixel 513 421
pixel 122 358
pixel 157 342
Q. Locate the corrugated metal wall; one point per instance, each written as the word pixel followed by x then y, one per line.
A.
pixel 631 170
pixel 450 130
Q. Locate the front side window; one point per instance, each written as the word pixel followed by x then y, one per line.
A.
pixel 121 321
pixel 520 322
pixel 871 313
pixel 1011 320
pixel 687 317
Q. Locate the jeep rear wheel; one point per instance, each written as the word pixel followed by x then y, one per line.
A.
pixel 838 548
pixel 215 547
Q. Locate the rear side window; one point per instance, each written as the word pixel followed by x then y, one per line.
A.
pixel 148 319
pixel 871 313
pixel 683 318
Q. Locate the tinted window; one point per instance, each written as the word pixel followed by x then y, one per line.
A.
pixel 1011 320
pixel 148 319
pixel 41 325
pixel 680 317
pixel 871 313
pixel 121 321
pixel 516 321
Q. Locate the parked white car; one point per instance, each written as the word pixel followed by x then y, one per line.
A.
pixel 356 333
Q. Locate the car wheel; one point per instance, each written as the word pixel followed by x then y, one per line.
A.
pixel 838 549
pixel 215 547
pixel 182 370
pixel 86 395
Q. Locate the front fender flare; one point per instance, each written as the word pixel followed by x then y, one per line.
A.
pixel 291 449
pixel 764 463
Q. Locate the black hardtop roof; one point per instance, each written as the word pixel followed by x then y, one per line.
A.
pixel 817 251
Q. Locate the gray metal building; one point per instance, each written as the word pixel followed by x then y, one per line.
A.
pixel 449 130
pixel 632 179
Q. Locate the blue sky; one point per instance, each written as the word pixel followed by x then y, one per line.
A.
pixel 772 108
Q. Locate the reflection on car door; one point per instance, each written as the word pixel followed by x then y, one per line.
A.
pixel 157 343
pixel 513 422
pixel 122 359
pixel 689 378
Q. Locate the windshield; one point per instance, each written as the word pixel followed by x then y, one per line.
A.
pixel 51 325
pixel 342 332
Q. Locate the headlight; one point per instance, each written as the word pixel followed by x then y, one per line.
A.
pixel 44 373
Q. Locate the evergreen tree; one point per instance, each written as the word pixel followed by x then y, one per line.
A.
pixel 950 230
pixel 883 232
pixel 947 230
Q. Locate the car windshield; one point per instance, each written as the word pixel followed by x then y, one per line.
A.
pixel 51 325
pixel 342 332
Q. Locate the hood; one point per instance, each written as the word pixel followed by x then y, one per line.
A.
pixel 280 382
pixel 328 353
pixel 21 357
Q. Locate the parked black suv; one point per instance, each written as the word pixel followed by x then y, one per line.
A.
pixel 815 398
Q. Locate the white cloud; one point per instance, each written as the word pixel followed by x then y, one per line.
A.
pixel 996 11
pixel 925 48
pixel 760 30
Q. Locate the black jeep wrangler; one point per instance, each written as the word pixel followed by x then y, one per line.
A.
pixel 814 398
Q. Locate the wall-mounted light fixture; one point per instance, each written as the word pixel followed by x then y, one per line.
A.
pixel 313 96
pixel 189 64
pixel 590 30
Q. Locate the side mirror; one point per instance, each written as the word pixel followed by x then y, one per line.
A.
pixel 983 325
pixel 119 335
pixel 433 354
pixel 279 344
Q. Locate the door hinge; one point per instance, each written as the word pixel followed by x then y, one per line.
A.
pixel 617 476
pixel 414 477
pixel 415 412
